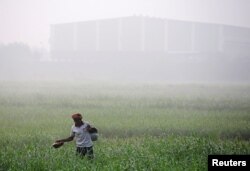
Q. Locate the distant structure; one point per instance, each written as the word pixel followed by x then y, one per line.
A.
pixel 151 49
pixel 138 34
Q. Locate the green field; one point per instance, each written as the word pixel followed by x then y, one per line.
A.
pixel 142 127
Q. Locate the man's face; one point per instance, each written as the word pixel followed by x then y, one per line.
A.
pixel 78 122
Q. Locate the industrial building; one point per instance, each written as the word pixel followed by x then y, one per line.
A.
pixel 145 34
pixel 156 48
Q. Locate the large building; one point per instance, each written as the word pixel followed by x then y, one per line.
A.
pixel 153 48
pixel 145 34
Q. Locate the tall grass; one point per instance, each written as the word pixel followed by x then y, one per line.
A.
pixel 142 127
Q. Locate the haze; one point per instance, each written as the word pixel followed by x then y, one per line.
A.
pixel 29 21
pixel 118 40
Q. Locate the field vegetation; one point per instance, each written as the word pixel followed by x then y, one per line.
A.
pixel 141 127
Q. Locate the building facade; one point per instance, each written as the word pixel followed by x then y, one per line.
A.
pixel 145 34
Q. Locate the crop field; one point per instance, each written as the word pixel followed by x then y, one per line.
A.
pixel 141 127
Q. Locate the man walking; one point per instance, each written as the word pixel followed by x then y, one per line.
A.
pixel 80 131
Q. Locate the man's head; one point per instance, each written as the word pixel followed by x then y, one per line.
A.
pixel 77 117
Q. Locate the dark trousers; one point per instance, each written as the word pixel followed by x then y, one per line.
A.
pixel 85 151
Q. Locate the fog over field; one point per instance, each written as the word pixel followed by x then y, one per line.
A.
pixel 136 41
pixel 165 82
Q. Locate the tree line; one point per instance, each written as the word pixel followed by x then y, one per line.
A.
pixel 19 52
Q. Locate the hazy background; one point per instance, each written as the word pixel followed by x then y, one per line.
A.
pixel 25 31
pixel 28 21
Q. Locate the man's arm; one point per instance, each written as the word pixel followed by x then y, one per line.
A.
pixel 89 127
pixel 66 139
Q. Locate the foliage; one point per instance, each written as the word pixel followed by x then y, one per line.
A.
pixel 142 127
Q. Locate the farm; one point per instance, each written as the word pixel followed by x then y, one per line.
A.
pixel 141 127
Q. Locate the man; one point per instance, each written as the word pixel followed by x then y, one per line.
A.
pixel 80 131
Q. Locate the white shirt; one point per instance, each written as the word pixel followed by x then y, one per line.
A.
pixel 81 135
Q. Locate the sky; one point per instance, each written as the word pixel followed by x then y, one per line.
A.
pixel 29 21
